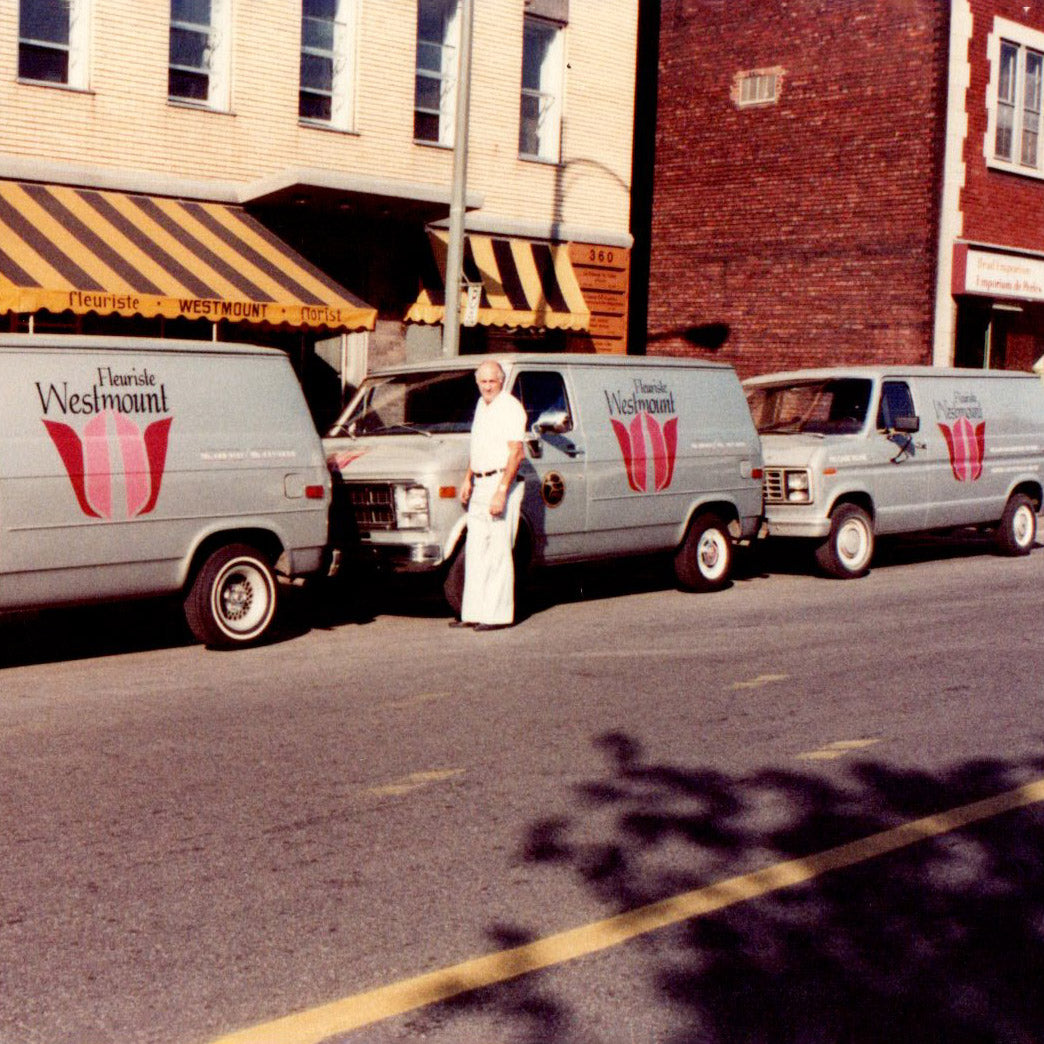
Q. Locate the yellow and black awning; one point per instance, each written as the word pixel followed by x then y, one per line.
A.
pixel 87 250
pixel 523 283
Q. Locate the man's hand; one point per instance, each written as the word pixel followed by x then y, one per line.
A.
pixel 498 502
pixel 465 490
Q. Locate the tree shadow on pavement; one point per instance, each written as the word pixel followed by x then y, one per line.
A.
pixel 941 941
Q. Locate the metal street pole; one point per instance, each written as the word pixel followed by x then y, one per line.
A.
pixel 455 248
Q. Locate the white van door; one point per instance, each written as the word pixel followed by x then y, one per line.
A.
pixel 903 461
pixel 555 468
pixel 962 491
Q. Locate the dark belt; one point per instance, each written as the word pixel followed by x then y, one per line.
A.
pixel 486 474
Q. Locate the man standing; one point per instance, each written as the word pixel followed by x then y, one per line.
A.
pixel 493 499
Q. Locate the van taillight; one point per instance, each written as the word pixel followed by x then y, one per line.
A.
pixel 757 473
pixel 315 492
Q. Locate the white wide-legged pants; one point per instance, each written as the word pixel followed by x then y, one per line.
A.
pixel 489 572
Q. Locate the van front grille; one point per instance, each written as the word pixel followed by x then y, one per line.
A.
pixel 773 486
pixel 372 504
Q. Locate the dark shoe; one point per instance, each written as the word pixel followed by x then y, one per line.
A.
pixel 461 623
pixel 491 627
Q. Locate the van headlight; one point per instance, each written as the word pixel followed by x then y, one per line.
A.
pixel 411 507
pixel 797 487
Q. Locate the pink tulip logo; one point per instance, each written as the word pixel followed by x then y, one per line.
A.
pixel 90 462
pixel 967 446
pixel 638 453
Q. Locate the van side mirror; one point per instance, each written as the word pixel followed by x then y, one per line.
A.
pixel 907 425
pixel 551 421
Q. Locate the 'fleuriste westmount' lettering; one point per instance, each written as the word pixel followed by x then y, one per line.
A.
pixel 100 398
pixel 633 403
pixel 961 406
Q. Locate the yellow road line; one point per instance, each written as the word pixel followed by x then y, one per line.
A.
pixel 837 749
pixel 363 1009
pixel 759 681
pixel 417 701
pixel 413 781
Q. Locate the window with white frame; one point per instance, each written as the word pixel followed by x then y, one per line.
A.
pixel 757 87
pixel 1016 77
pixel 435 90
pixel 53 41
pixel 540 112
pixel 328 41
pixel 200 52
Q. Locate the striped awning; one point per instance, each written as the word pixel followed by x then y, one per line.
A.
pixel 87 250
pixel 523 283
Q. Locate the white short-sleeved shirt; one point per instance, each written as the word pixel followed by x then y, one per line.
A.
pixel 496 424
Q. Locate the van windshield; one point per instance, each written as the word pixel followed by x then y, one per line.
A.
pixel 429 403
pixel 825 406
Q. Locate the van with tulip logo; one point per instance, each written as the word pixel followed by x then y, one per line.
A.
pixel 860 452
pixel 624 455
pixel 132 467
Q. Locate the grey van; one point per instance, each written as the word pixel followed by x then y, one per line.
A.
pixel 136 467
pixel 624 456
pixel 853 453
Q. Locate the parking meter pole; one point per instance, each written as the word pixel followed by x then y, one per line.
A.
pixel 455 248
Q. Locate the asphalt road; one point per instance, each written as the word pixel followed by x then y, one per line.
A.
pixel 195 843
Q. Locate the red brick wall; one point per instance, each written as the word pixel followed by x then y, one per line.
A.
pixel 805 229
pixel 999 207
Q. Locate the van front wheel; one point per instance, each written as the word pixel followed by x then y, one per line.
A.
pixel 453 582
pixel 232 601
pixel 846 552
pixel 1017 531
pixel 704 560
pixel 453 577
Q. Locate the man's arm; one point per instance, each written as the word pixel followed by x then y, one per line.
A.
pixel 465 487
pixel 498 501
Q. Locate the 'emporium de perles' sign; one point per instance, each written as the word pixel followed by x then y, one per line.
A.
pixel 997 275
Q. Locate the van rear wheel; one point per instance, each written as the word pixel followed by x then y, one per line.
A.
pixel 232 601
pixel 846 552
pixel 1017 530
pixel 704 560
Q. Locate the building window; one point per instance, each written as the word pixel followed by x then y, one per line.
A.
pixel 1016 77
pixel 199 52
pixel 757 87
pixel 328 36
pixel 435 91
pixel 52 41
pixel 540 115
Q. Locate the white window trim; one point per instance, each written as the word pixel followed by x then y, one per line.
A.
pixel 553 87
pixel 345 71
pixel 220 96
pixel 219 61
pixel 78 50
pixel 449 74
pixel 1025 38
pixel 80 43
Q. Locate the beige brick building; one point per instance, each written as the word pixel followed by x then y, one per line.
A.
pixel 175 131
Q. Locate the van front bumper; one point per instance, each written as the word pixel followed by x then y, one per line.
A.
pixel 783 524
pixel 413 556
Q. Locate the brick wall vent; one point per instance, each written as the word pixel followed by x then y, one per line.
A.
pixel 757 87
